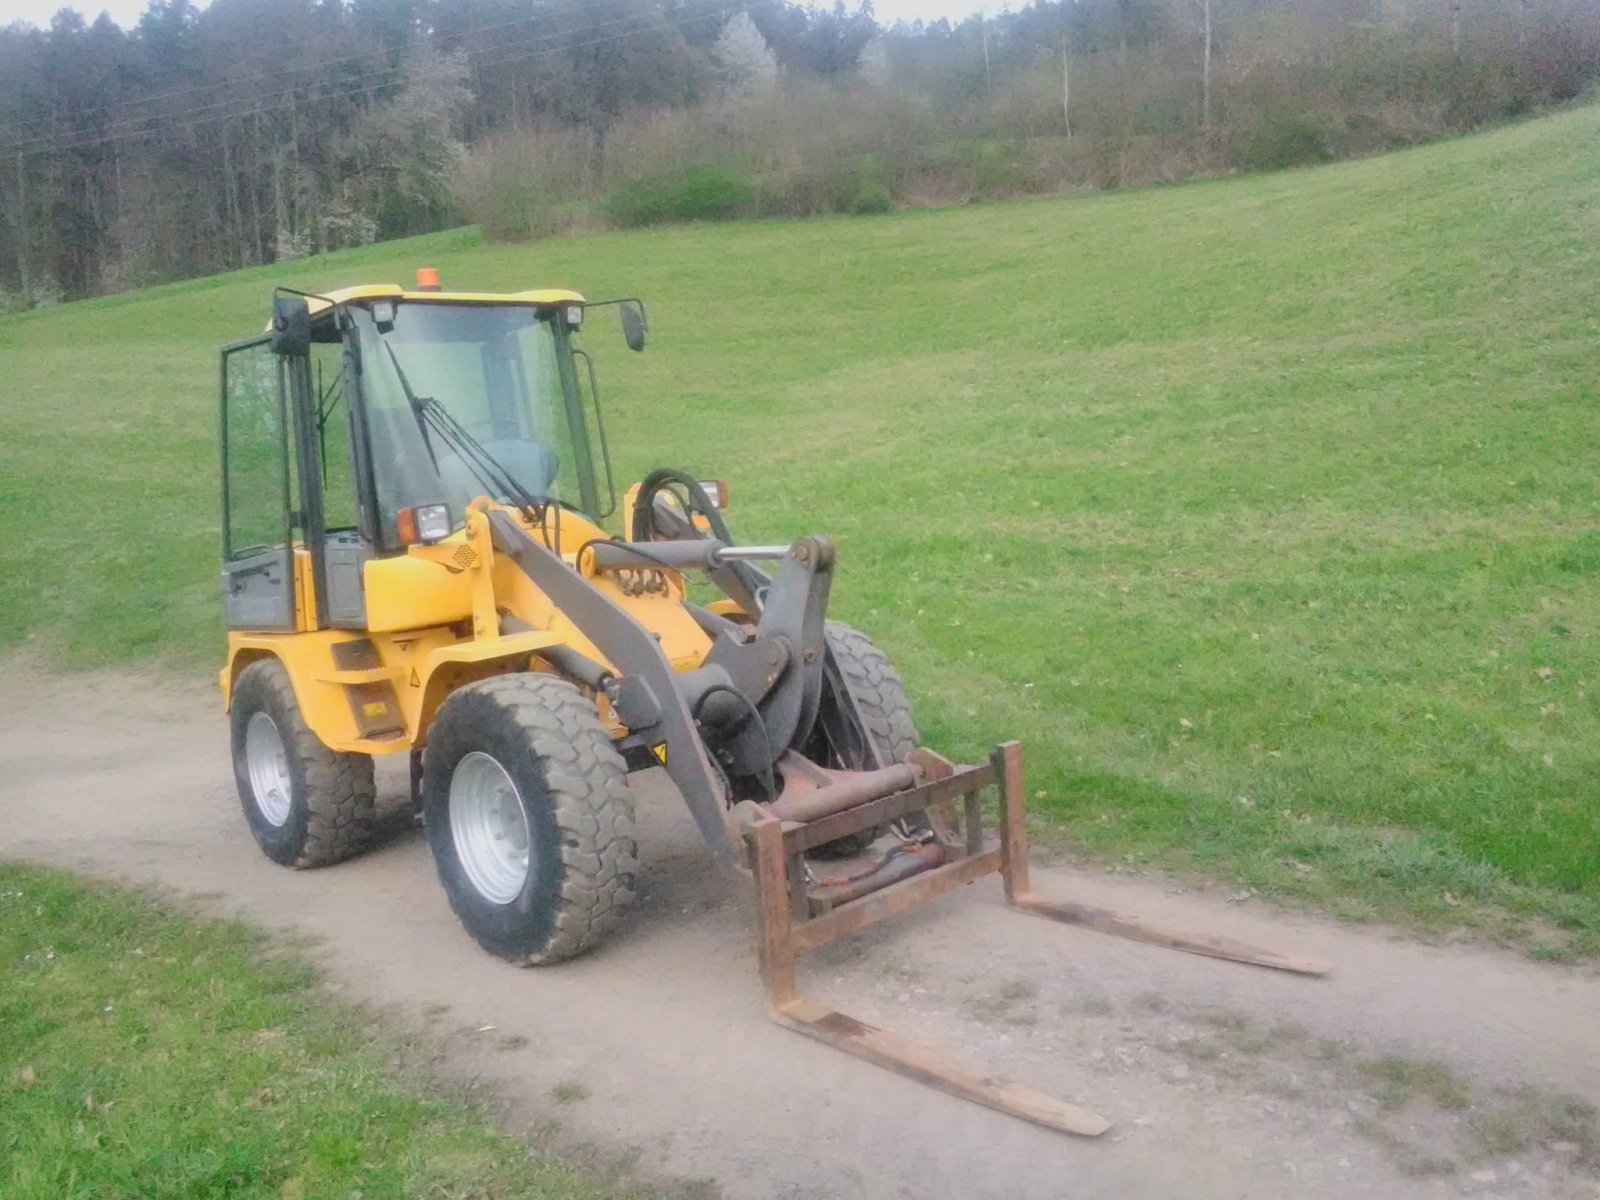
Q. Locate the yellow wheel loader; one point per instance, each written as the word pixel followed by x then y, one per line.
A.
pixel 414 485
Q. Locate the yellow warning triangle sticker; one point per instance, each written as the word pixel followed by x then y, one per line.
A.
pixel 660 751
pixel 414 681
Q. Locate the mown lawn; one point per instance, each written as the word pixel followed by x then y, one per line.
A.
pixel 1263 510
pixel 144 1052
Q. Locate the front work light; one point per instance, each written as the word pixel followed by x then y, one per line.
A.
pixel 575 316
pixel 425 523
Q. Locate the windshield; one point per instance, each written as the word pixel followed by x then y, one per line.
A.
pixel 497 370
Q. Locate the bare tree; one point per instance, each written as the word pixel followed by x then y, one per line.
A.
pixel 983 30
pixel 1204 12
pixel 1066 89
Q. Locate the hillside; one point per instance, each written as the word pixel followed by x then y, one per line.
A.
pixel 1263 510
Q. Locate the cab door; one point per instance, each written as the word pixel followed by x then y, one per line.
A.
pixel 257 552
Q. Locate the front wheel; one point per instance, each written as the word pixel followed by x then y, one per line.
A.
pixel 529 817
pixel 885 709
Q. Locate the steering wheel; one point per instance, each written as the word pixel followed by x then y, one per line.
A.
pixel 647 524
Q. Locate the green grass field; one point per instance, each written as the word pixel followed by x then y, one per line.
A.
pixel 1263 510
pixel 146 1053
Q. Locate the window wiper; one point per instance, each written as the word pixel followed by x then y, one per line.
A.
pixel 490 471
pixel 417 403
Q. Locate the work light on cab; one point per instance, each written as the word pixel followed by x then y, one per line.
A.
pixel 423 524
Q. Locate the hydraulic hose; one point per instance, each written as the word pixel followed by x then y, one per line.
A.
pixel 643 506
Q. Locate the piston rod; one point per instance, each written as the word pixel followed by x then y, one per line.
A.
pixel 681 555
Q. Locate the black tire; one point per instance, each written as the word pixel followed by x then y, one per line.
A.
pixel 880 696
pixel 329 812
pixel 884 707
pixel 571 785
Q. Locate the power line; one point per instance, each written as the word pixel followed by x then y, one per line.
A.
pixel 126 129
pixel 545 14
pixel 193 120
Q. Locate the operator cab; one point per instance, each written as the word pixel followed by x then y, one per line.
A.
pixel 366 420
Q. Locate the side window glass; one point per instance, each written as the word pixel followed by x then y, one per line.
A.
pixel 255 518
pixel 333 436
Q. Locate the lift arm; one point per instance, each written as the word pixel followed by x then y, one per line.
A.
pixel 647 696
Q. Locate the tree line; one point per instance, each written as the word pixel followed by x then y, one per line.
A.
pixel 258 130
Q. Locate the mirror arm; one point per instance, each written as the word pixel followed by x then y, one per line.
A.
pixel 627 304
pixel 588 304
pixel 600 428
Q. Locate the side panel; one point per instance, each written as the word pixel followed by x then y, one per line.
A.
pixel 345 556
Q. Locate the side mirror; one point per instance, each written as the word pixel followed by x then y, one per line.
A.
pixel 634 324
pixel 291 325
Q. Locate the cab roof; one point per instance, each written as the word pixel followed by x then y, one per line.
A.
pixel 393 291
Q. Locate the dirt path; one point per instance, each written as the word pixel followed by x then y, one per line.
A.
pixel 1412 1072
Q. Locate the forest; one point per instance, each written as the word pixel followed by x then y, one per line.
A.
pixel 255 131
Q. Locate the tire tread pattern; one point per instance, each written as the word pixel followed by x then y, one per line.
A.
pixel 879 693
pixel 885 709
pixel 593 807
pixel 340 794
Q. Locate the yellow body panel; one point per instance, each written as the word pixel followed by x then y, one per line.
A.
pixel 434 624
pixel 391 291
pixel 409 592
pixel 305 591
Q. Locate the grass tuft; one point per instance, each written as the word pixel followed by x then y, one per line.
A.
pixel 1399 1080
pixel 569 1091
pixel 1534 1116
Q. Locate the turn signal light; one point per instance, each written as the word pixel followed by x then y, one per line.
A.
pixel 428 279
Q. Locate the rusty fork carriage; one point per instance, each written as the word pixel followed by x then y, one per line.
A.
pixel 799 912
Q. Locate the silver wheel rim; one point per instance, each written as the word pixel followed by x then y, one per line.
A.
pixel 489 827
pixel 267 763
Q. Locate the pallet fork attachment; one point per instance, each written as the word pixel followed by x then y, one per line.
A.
pixel 790 923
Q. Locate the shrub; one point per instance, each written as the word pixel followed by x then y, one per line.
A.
pixel 864 188
pixel 997 170
pixel 523 184
pixel 1284 139
pixel 871 197
pixel 704 192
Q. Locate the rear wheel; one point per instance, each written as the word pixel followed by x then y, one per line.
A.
pixel 529 816
pixel 885 710
pixel 307 805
